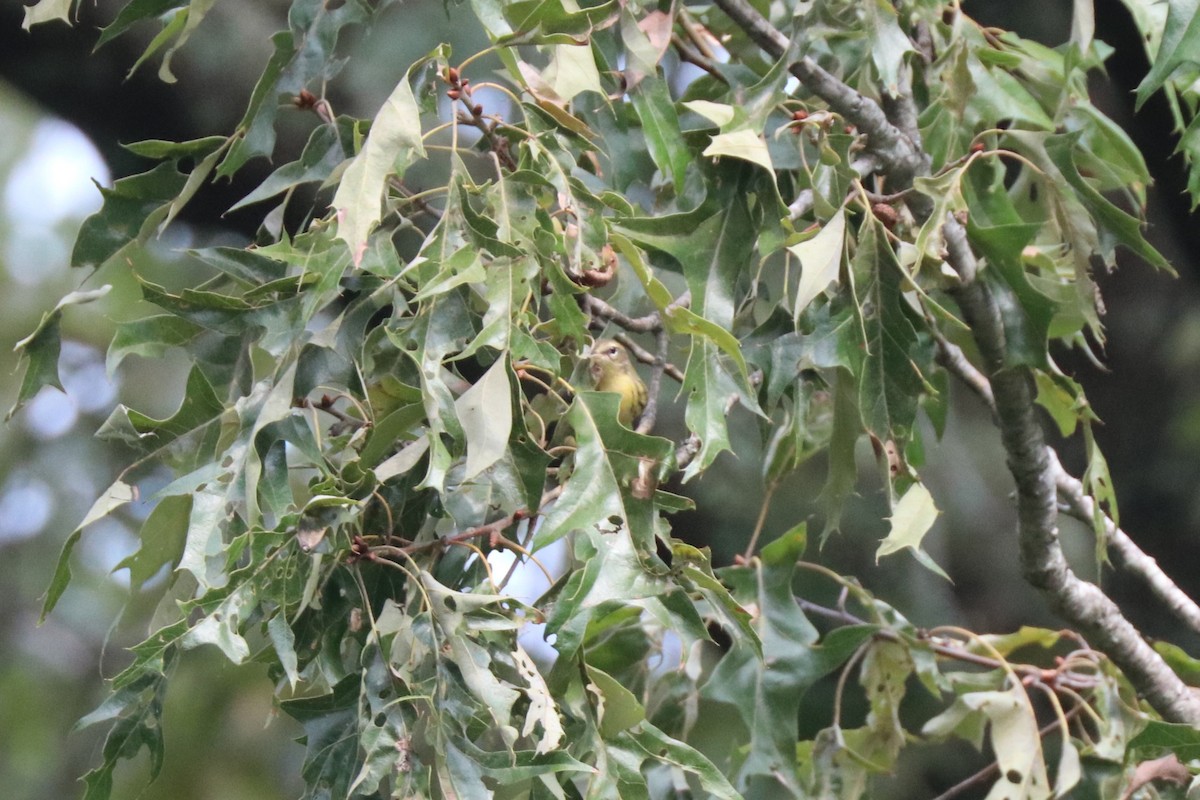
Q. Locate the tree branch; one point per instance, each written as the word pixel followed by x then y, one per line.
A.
pixel 1042 560
pixel 650 412
pixel 1081 506
pixel 597 307
pixel 902 159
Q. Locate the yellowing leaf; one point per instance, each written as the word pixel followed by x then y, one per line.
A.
pixel 1015 739
pixel 912 518
pixel 46 11
pixel 744 144
pixel 572 71
pixel 485 411
pixel 820 260
pixel 719 114
pixel 543 711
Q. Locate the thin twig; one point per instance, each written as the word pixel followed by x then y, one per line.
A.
pixel 691 28
pixel 864 164
pixel 646 357
pixel 490 529
pixel 954 361
pixel 956 652
pixel 644 324
pixel 416 198
pixel 650 412
pixel 992 771
pixel 326 404
pixel 691 55
pixel 761 521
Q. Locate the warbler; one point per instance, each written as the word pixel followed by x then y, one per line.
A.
pixel 612 371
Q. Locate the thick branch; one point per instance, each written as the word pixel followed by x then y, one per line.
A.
pixel 1042 559
pixel 1079 504
pixel 901 157
pixel 1082 506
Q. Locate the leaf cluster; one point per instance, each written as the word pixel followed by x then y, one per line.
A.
pixel 386 406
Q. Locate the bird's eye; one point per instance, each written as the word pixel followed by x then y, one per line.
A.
pixel 612 351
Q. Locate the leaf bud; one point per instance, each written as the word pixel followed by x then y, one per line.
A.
pixel 885 214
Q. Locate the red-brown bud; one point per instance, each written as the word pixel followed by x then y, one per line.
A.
pixel 885 214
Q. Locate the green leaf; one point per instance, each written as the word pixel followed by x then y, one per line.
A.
pixel 1157 736
pixel 395 142
pixel 765 689
pixel 134 12
pixel 572 71
pixel 1180 46
pixel 137 709
pixel 891 383
pixel 1100 486
pixel 742 143
pixel 1126 229
pixel 330 721
pixel 656 744
pixel 203 551
pixel 304 56
pixel 620 709
pixel 660 124
pixel 886 42
pixel 1025 311
pixel 162 536
pixel 469 655
pixel 1014 736
pixel 616 578
pixel 556 17
pixel 1189 145
pixel 132 210
pixel 322 154
pixel 40 349
pixel 199 406
pixel 115 496
pixel 221 626
pixel 886 668
pixel 709 389
pixel 608 458
pixel 843 471
pixel 149 337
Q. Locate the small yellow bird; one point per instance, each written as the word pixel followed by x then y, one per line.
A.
pixel 612 371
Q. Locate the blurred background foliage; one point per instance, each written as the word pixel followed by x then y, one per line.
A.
pixel 64 111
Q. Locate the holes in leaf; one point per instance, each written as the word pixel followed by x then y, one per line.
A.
pixel 616 520
pixel 1013 776
pixel 451 603
pixel 380 719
